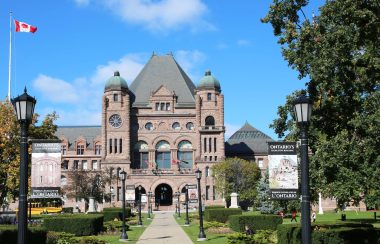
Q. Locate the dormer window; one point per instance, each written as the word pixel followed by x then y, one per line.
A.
pixel 80 149
pixel 162 106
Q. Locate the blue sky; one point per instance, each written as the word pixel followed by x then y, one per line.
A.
pixel 79 43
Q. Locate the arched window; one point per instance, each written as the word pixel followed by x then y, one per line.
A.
pixel 210 121
pixel 207 171
pixel 163 155
pixel 185 154
pixel 140 153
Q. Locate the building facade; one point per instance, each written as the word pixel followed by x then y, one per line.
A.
pixel 160 129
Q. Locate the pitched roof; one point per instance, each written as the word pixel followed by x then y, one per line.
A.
pixel 162 70
pixel 72 133
pixel 247 140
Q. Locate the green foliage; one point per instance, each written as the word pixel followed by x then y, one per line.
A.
pixel 114 226
pixel 263 202
pixel 220 215
pixel 338 53
pixel 54 237
pixel 237 175
pixel 89 240
pixel 214 206
pixel 35 235
pixel 330 233
pixel 116 213
pixel 240 238
pixel 265 237
pixel 213 224
pixel 79 225
pixel 255 222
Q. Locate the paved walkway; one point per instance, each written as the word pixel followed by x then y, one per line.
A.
pixel 164 229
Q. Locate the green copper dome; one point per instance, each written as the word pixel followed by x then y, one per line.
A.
pixel 209 82
pixel 116 82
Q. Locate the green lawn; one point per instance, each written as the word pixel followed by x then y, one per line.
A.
pixel 193 230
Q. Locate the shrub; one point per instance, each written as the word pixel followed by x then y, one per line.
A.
pixel 35 235
pixel 213 224
pixel 240 238
pixel 53 237
pixel 89 240
pixel 265 237
pixel 68 210
pixel 330 233
pixel 112 213
pixel 255 222
pixel 220 214
pixel 79 225
pixel 114 226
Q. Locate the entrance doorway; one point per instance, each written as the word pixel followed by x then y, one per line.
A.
pixel 163 195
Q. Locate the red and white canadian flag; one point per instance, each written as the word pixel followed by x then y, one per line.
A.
pixel 24 27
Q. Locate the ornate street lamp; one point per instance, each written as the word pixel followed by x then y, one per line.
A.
pixel 150 195
pixel 201 235
pixel 187 223
pixel 123 176
pixel 302 110
pixel 139 201
pixel 24 107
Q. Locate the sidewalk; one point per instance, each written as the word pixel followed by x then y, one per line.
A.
pixel 164 229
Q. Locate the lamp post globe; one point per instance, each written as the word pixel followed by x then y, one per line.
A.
pixel 201 235
pixel 124 235
pixel 24 108
pixel 302 111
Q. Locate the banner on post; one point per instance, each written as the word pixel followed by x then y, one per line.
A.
pixel 283 170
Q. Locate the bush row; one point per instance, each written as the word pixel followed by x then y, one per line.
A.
pixel 112 213
pixel 214 206
pixel 35 235
pixel 220 214
pixel 330 233
pixel 255 222
pixel 79 225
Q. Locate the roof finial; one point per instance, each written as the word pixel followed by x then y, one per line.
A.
pixel 208 72
pixel 25 89
pixel 116 73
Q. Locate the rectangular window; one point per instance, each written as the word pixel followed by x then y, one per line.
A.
pixel 80 149
pixel 63 149
pixel 157 106
pixel 76 164
pixel 84 164
pixel 65 165
pixel 162 106
pixel 144 160
pixel 120 145
pixel 205 158
pixel 216 158
pixel 214 144
pixel 98 149
pixel 168 106
pixel 210 158
pixel 119 193
pixel 208 96
pixel 207 192
pixel 186 157
pixel 115 97
pixel 94 164
pixel 209 145
pixel 115 145
pixel 261 163
pixel 205 144
pixel 163 160
pixel 110 145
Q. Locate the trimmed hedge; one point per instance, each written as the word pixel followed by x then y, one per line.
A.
pixel 35 235
pixel 220 214
pixel 79 225
pixel 330 233
pixel 255 222
pixel 214 206
pixel 112 213
pixel 68 210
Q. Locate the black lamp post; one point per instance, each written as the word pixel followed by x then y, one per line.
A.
pixel 149 193
pixel 187 205
pixel 302 110
pixel 24 107
pixel 201 235
pixel 140 220
pixel 178 194
pixel 123 176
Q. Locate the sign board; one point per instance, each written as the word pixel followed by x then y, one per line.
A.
pixel 182 198
pixel 130 193
pixel 283 170
pixel 46 169
pixel 193 195
pixel 144 198
pixel 192 187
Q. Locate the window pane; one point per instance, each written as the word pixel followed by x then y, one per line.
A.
pixel 163 160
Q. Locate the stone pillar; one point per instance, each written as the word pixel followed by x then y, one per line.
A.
pixel 234 200
pixel 91 205
pixel 320 210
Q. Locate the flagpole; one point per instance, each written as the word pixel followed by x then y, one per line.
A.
pixel 10 56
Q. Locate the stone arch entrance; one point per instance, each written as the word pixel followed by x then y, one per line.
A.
pixel 164 195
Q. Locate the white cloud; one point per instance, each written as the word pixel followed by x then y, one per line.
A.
pixel 160 15
pixel 231 129
pixel 55 90
pixel 243 43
